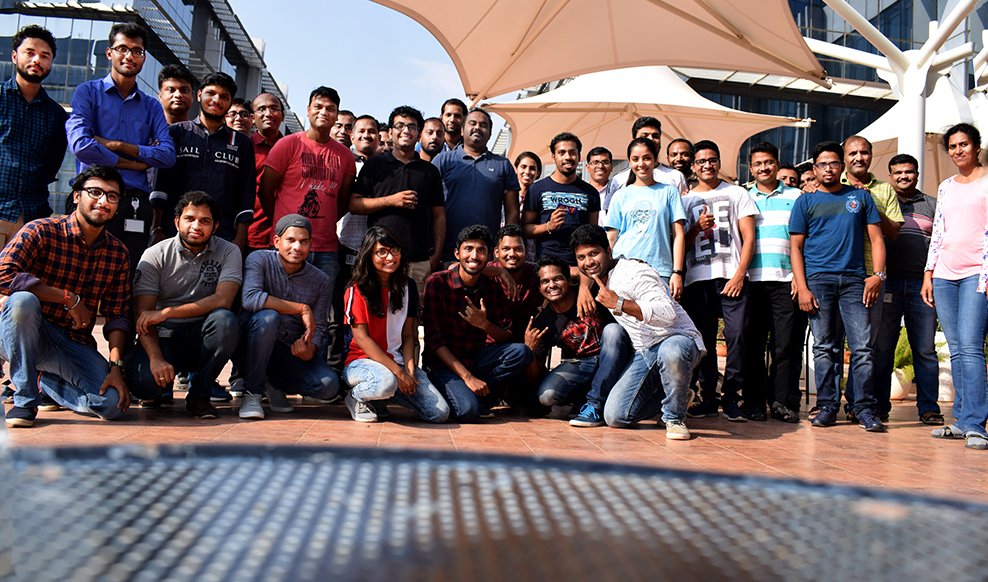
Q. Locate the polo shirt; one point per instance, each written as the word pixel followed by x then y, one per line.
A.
pixel 579 199
pixel 771 261
pixel 887 203
pixel 834 225
pixel 169 271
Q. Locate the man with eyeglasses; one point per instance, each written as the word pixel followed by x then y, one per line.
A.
pixel 54 276
pixel 827 231
pixel 113 123
pixel 720 242
pixel 269 114
pixel 651 128
pixel 343 128
pixel 240 117
pixel 599 164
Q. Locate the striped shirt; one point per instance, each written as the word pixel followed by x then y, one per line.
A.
pixel 771 261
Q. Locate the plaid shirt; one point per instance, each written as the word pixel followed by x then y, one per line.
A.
pixel 32 145
pixel 52 251
pixel 529 302
pixel 445 298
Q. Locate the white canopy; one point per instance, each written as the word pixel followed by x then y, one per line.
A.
pixel 601 107
pixel 499 46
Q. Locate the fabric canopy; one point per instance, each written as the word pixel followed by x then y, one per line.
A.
pixel 499 46
pixel 600 109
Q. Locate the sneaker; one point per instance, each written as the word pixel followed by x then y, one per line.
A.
pixel 277 401
pixel 153 403
pixel 486 414
pixel 251 407
pixel 200 408
pixel 870 422
pixel 315 400
pixel 359 411
pixel 237 388
pixel 676 430
pixel 589 416
pixel 826 417
pixel 732 411
pixel 703 408
pixel 218 394
pixel 976 441
pixel 182 381
pixel 48 403
pixel 8 393
pixel 18 417
pixel 168 398
pixel 380 408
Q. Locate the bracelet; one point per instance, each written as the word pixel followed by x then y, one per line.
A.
pixel 66 300
pixel 679 272
pixel 548 229
pixel 78 298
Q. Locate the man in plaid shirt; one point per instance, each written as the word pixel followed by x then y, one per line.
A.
pixel 54 274
pixel 467 330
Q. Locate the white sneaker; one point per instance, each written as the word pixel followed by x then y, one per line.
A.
pixel 251 407
pixel 676 430
pixel 277 401
pixel 359 411
pixel 237 388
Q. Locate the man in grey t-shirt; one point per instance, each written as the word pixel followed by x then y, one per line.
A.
pixel 183 290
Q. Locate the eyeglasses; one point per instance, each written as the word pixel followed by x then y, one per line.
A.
pixel 824 165
pixel 381 253
pixel 96 193
pixel 765 164
pixel 707 162
pixel 242 114
pixel 399 127
pixel 137 53
pixel 596 163
pixel 265 109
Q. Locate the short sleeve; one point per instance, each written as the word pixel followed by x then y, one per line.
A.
pixel 435 196
pixel 349 163
pixel 797 218
pixel 892 210
pixel 147 277
pixel 280 155
pixel 871 211
pixel 510 177
pixel 364 184
pixel 615 218
pixel 676 210
pixel 593 198
pixel 233 265
pixel 533 198
pixel 355 307
pixel 746 206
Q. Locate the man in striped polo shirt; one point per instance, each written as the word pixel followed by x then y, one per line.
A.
pixel 772 306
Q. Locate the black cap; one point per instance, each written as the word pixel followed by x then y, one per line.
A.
pixel 289 220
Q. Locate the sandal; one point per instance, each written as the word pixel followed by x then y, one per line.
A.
pixel 947 432
pixel 931 417
pixel 784 413
pixel 976 441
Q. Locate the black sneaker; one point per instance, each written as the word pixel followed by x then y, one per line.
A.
pixel 703 408
pixel 153 403
pixel 732 411
pixel 18 417
pixel 200 408
pixel 218 394
pixel 870 422
pixel 48 403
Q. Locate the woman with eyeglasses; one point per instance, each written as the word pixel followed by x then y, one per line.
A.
pixel 957 278
pixel 380 310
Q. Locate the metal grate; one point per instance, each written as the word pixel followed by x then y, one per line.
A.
pixel 239 514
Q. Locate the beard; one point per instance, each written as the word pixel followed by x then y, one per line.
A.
pixel 210 116
pixel 31 78
pixel 95 221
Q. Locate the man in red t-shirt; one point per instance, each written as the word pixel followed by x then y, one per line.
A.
pixel 269 114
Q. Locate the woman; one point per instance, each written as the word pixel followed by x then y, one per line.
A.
pixel 957 276
pixel 528 166
pixel 380 308
pixel 646 219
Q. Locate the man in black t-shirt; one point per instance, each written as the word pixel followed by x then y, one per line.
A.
pixel 595 349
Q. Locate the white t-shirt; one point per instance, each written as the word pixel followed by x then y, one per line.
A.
pixel 662 174
pixel 716 253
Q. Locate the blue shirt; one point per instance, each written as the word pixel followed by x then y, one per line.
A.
pixel 771 261
pixel 643 215
pixel 98 109
pixel 32 145
pixel 264 276
pixel 835 226
pixel 579 199
pixel 474 190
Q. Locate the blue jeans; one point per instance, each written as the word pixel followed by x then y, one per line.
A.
pixel 964 318
pixel 657 379
pixel 903 301
pixel 200 348
pixel 593 375
pixel 840 299
pixel 704 303
pixel 496 364
pixel 875 317
pixel 261 355
pixel 41 353
pixel 370 381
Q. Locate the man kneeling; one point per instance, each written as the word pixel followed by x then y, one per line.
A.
pixel 667 345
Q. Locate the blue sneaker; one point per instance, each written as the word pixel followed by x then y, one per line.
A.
pixel 826 417
pixel 732 411
pixel 589 417
pixel 870 422
pixel 218 394
pixel 703 408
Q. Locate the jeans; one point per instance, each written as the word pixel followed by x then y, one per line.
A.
pixel 593 375
pixel 370 380
pixel 704 303
pixel 840 299
pixel 903 301
pixel 43 354
pixel 260 355
pixel 200 348
pixel 773 310
pixel 657 379
pixel 875 317
pixel 964 318
pixel 329 262
pixel 496 364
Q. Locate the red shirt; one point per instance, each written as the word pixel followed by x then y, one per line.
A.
pixel 259 231
pixel 385 331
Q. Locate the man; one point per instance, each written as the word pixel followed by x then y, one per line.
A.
pixel 771 303
pixel 468 330
pixel 807 177
pixel 432 140
pixel 478 184
pixel 788 175
pixel 183 291
pixel 826 231
pixel 175 87
pixel 54 276
pixel 384 139
pixel 594 348
pixel 453 113
pixel 113 123
pixel 269 114
pixel 720 242
pixel 518 278
pixel 212 158
pixel 240 117
pixel 32 133
pixel 281 333
pixel 666 344
pixel 600 162
pixel 906 262
pixel 343 128
pixel 651 128
pixel 366 143
pixel 680 154
pixel 405 193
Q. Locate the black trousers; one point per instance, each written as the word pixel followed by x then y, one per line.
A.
pixel 704 304
pixel 776 322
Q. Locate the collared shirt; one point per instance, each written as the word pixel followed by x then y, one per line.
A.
pixel 53 252
pixel 220 164
pixel 529 298
pixel 259 231
pixel 474 190
pixel 264 276
pixel 887 204
pixel 98 110
pixel 771 261
pixel 32 145
pixel 905 257
pixel 445 299
pixel 176 276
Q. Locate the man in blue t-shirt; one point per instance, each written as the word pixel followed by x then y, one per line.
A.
pixel 826 230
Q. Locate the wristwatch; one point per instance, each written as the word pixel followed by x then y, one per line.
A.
pixel 881 275
pixel 117 363
pixel 619 309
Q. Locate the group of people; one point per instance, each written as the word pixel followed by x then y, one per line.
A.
pixel 310 260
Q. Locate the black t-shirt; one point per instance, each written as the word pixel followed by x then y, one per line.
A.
pixel 579 198
pixel 578 338
pixel 385 175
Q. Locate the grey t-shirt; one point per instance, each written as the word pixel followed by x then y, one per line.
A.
pixel 171 272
